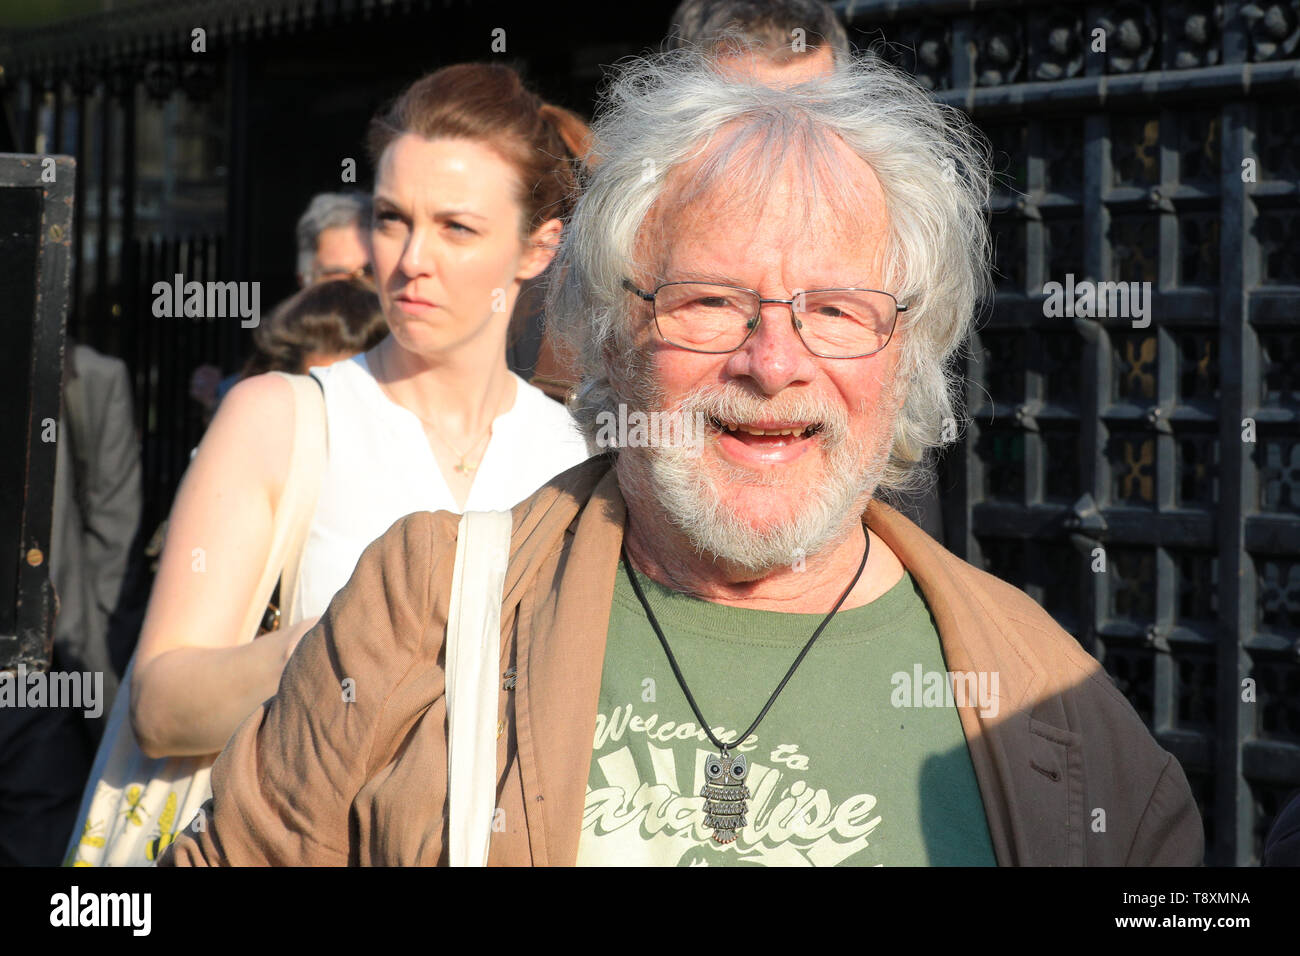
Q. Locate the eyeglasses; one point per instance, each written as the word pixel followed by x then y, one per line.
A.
pixel 713 318
pixel 365 273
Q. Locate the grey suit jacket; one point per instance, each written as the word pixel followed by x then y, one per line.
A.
pixel 97 503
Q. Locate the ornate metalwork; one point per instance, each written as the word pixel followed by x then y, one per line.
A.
pixel 1198 249
pixel 921 47
pixel 1063 153
pixel 1279 596
pixel 1197 467
pixel 1063 246
pixel 1134 674
pixel 1278 143
pixel 1195 692
pixel 1135 251
pixel 1135 149
pixel 1198 369
pixel 1281 372
pixel 1056 45
pixel 1131 37
pixel 1086 518
pixel 1198 591
pixel 1193 30
pixel 1279 700
pixel 1133 461
pixel 1279 238
pixel 1274 29
pixel 1279 474
pixel 1135 367
pixel 999 50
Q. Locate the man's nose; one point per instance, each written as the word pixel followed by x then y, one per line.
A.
pixel 773 356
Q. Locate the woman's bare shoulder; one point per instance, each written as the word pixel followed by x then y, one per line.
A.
pixel 255 421
pixel 264 395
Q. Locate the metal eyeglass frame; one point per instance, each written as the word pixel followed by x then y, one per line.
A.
pixel 365 273
pixel 758 317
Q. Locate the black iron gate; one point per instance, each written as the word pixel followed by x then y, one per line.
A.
pixel 1140 475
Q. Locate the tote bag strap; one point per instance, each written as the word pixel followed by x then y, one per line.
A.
pixel 472 679
pixel 302 486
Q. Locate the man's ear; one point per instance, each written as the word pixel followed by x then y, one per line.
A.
pixel 542 246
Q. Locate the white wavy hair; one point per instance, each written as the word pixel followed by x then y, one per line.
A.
pixel 665 110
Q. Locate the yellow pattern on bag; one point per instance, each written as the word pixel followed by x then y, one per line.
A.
pixel 126 789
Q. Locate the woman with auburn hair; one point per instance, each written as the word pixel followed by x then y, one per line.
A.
pixel 474 175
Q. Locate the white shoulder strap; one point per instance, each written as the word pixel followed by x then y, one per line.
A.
pixel 473 680
pixel 297 504
pixel 311 431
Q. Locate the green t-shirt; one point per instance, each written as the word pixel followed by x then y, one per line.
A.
pixel 838 774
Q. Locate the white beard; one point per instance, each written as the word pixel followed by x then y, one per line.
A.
pixel 699 503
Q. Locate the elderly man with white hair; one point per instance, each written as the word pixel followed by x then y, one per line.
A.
pixel 717 643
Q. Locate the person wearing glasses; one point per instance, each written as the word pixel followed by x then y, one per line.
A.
pixel 729 651
pixel 334 238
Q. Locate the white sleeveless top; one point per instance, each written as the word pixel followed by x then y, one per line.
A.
pixel 381 468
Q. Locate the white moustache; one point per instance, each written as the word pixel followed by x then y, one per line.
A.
pixel 735 405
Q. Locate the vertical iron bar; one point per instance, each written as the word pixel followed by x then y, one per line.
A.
pixel 1233 841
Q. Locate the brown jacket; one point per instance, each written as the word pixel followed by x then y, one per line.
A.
pixel 310 778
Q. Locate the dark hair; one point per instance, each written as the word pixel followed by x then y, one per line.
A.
pixel 709 24
pixel 488 103
pixel 328 318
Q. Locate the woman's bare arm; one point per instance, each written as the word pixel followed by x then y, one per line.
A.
pixel 285 789
pixel 195 680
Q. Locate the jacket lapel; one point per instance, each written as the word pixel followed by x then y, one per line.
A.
pixel 561 655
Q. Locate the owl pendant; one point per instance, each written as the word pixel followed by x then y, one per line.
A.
pixel 724 794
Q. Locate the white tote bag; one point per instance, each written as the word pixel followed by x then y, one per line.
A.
pixel 472 681
pixel 134 805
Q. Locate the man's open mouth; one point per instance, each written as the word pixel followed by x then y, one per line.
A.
pixel 767 434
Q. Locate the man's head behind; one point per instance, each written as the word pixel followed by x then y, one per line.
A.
pixel 856 180
pixel 780 40
pixel 333 237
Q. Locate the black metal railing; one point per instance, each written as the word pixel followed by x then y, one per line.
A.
pixel 164 351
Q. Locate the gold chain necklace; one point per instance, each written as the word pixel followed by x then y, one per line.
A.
pixel 460 467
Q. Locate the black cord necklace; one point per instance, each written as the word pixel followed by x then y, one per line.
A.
pixel 724 789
